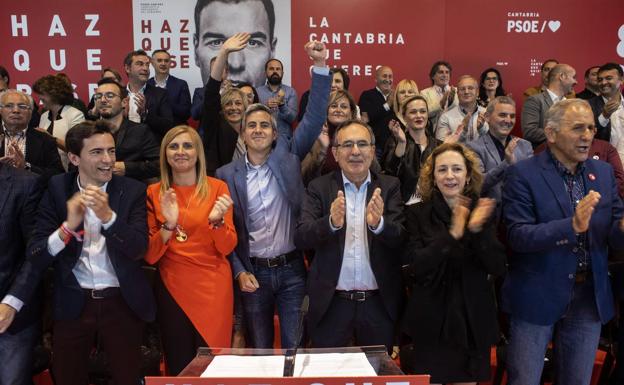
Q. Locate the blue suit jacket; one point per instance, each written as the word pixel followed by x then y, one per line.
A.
pixel 19 196
pixel 538 214
pixel 179 98
pixel 285 164
pixel 126 242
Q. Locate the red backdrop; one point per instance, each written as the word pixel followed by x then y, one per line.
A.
pixel 409 35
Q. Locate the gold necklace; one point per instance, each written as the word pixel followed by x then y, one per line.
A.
pixel 181 235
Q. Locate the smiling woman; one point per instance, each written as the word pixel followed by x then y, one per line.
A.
pixel 191 232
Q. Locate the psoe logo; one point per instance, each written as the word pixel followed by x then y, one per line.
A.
pixel 529 22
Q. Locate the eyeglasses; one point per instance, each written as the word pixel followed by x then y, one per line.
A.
pixel 107 95
pixel 11 106
pixel 361 144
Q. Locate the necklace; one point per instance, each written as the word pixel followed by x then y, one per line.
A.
pixel 181 235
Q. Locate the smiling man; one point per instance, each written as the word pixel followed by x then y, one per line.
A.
pixel 353 219
pixel 218 20
pixel 266 187
pixel 147 104
pixel 498 149
pixel 91 225
pixel 563 212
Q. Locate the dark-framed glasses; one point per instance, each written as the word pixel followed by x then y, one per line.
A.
pixel 106 95
pixel 349 145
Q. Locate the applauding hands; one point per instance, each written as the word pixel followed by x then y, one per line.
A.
pixel 463 218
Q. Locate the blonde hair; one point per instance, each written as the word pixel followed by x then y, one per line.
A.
pixel 398 107
pixel 166 174
pixel 426 181
pixel 229 95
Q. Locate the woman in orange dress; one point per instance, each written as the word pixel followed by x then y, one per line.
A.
pixel 191 233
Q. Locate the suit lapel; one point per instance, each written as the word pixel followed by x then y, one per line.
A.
pixel 555 182
pixel 240 182
pixel 121 134
pixel 33 146
pixel 334 187
pixel 490 147
pixel 114 191
pixel 5 186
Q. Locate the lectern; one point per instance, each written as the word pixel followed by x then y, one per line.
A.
pixel 388 373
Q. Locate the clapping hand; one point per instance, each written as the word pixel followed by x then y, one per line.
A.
pixel 221 206
pixel 480 214
pixel 169 207
pixel 374 209
pixel 337 210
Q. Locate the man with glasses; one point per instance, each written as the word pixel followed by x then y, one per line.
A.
pixel 148 104
pixel 22 147
pixel 466 121
pixel 136 148
pixel 353 219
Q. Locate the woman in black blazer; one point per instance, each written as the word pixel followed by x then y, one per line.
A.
pixel 451 256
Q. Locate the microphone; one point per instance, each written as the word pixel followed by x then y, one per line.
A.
pixel 289 360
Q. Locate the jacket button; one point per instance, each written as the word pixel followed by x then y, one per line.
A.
pixel 571 276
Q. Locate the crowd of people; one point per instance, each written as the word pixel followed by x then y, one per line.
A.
pixel 411 219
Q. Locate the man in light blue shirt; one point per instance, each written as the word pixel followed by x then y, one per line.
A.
pixel 267 189
pixel 353 219
pixel 280 98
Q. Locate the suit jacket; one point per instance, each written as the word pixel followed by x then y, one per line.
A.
pixel 20 192
pixel 597 104
pixel 372 102
pixel 538 214
pixel 179 98
pixel 533 117
pixel 314 232
pixel 493 167
pixel 285 164
pixel 159 116
pixel 126 242
pixel 41 153
pixel 136 146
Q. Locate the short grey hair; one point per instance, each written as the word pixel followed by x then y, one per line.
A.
pixel 554 115
pixel 255 108
pixel 499 100
pixel 16 92
pixel 352 122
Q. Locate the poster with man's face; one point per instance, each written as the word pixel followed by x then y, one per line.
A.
pixel 193 31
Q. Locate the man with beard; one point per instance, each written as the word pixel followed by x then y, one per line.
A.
pixel 591 84
pixel 280 98
pixel 147 104
pixel 561 81
pixel 136 148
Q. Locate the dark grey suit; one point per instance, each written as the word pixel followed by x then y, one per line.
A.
pixel 533 115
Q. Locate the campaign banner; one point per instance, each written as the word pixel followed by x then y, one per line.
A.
pixel 81 38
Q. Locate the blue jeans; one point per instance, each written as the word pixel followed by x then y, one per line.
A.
pixel 16 356
pixel 575 342
pixel 284 287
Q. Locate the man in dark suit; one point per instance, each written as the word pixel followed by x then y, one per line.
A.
pixel 19 197
pixel 23 147
pixel 591 84
pixel 610 77
pixel 353 219
pixel 562 212
pixel 137 152
pixel 266 187
pixel 148 104
pixel 177 89
pixel 561 81
pixel 375 108
pixel 92 226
